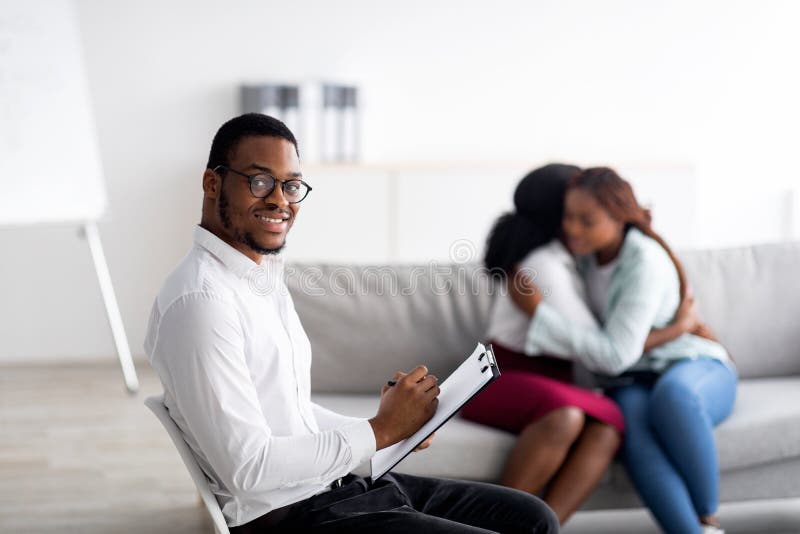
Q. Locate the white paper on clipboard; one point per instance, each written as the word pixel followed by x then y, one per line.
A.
pixel 474 374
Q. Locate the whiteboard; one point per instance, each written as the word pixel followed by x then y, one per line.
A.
pixel 49 161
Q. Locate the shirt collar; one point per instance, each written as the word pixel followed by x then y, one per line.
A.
pixel 234 260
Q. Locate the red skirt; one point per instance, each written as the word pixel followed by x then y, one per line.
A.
pixel 530 388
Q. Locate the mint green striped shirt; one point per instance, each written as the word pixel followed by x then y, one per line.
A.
pixel 644 293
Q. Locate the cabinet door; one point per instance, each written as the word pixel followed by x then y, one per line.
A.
pixel 446 215
pixel 671 193
pixel 345 218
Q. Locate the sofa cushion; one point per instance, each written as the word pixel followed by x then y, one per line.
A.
pixel 751 297
pixel 366 322
pixel 763 428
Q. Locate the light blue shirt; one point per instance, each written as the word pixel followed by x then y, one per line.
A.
pixel 644 293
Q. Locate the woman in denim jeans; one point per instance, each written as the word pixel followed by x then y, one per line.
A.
pixel 673 387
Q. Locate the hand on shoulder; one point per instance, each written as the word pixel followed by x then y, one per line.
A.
pixel 523 291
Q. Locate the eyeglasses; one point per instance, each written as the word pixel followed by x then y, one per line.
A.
pixel 262 185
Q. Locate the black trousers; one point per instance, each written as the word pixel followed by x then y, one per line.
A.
pixel 405 503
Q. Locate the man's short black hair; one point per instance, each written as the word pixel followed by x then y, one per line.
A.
pixel 250 124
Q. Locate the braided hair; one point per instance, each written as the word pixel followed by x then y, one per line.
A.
pixel 536 220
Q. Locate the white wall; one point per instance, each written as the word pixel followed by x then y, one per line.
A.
pixel 705 87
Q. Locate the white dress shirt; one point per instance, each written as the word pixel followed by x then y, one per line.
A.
pixel 235 364
pixel 553 270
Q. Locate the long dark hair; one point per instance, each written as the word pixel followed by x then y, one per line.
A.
pixel 539 207
pixel 616 196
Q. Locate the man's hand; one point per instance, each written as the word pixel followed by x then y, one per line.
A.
pixel 425 444
pixel 523 291
pixel 405 407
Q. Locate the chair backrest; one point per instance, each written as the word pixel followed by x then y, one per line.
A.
pixel 156 405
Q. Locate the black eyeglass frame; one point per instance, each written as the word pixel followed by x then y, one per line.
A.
pixel 251 177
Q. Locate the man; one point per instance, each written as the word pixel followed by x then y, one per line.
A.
pixel 235 365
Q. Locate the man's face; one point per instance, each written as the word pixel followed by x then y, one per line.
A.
pixel 255 226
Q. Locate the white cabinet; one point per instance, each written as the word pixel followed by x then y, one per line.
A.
pixel 443 212
pixel 374 214
pixel 346 217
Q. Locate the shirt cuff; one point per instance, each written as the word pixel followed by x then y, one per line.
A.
pixel 361 438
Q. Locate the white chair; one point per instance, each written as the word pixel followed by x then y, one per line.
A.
pixel 157 406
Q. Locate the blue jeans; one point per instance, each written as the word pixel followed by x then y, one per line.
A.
pixel 669 449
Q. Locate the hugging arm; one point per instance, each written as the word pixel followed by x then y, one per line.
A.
pixel 686 321
pixel 614 347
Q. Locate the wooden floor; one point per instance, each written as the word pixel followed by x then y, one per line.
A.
pixel 78 454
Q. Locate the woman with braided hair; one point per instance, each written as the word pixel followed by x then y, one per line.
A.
pixel 674 383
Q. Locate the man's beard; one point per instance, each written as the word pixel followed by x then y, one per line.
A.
pixel 244 238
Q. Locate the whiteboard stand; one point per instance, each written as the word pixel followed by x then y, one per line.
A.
pixel 112 308
pixel 46 108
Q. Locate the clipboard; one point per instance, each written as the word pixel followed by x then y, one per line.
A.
pixel 470 378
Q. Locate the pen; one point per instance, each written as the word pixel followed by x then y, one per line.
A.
pixel 391 383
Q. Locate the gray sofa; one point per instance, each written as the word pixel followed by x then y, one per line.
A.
pixel 365 322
